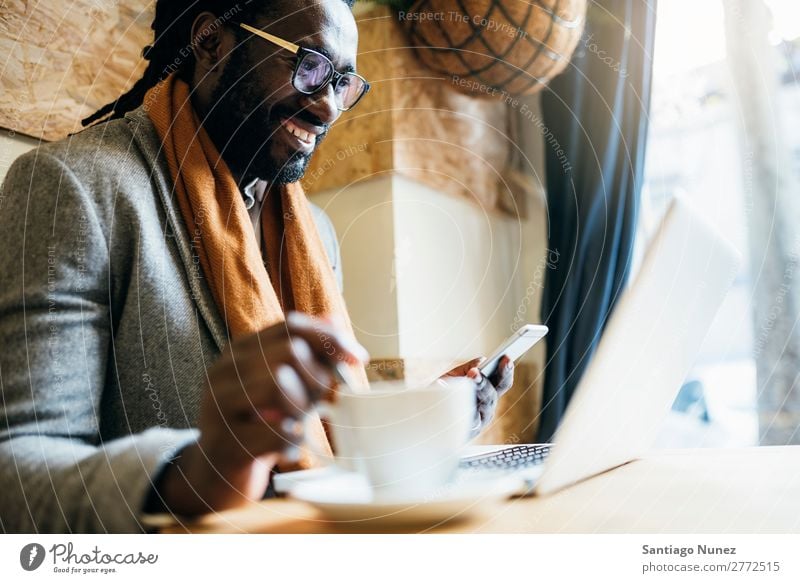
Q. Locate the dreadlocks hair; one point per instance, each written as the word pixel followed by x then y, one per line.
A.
pixel 172 47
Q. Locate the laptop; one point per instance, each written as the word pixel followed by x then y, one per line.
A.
pixel 649 344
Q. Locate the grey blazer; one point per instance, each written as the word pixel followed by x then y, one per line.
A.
pixel 106 329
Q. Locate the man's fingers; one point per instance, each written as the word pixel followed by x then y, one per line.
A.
pixel 328 342
pixel 292 390
pixel 504 372
pixel 486 390
pixel 258 374
pixel 486 395
pixel 506 376
pixel 282 389
pixel 283 368
pixel 269 430
pixel 464 368
pixel 318 379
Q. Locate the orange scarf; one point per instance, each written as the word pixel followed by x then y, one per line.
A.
pixel 215 215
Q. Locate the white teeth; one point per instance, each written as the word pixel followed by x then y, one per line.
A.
pixel 296 131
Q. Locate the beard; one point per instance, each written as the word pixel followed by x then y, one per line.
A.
pixel 242 124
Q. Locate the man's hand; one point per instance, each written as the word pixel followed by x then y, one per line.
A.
pixel 257 394
pixel 487 390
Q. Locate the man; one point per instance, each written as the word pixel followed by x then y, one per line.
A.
pixel 169 301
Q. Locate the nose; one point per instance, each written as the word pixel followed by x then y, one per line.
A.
pixel 322 104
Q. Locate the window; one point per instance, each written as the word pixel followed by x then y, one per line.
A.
pixel 695 150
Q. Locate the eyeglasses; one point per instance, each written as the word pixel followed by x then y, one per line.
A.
pixel 313 71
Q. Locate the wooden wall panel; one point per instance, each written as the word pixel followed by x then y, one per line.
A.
pixel 64 59
pixel 413 122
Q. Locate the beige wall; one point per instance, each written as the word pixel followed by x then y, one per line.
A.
pixel 363 216
pixel 430 277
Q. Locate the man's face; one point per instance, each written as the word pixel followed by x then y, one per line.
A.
pixel 256 113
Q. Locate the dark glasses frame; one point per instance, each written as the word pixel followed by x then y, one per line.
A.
pixel 334 77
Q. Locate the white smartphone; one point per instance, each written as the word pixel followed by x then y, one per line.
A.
pixel 514 346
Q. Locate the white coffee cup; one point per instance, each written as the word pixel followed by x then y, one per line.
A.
pixel 405 440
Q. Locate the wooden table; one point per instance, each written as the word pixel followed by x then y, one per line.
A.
pixel 754 490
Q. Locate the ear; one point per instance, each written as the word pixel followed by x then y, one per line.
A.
pixel 207 41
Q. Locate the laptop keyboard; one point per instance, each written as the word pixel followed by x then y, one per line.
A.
pixel 512 458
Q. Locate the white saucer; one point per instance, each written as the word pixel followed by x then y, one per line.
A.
pixel 348 498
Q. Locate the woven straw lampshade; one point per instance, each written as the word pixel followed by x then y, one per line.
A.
pixel 496 47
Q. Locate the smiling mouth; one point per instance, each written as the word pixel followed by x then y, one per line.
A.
pixel 305 138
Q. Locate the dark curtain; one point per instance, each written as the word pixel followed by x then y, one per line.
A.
pixel 597 111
